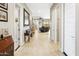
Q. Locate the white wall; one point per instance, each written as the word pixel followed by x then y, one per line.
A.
pixel 77 29
pixel 9 25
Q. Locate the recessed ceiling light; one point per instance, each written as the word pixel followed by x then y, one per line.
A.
pixel 39 11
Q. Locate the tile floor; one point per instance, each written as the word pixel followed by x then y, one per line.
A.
pixel 40 45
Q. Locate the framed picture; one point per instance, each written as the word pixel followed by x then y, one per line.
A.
pixel 4 6
pixel 3 16
pixel 26 20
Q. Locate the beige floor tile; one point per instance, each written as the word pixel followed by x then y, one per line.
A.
pixel 40 45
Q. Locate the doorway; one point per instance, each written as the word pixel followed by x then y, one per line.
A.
pixel 56 32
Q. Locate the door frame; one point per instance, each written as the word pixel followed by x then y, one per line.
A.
pixel 60 15
pixel 53 9
pixel 16 5
pixel 62 28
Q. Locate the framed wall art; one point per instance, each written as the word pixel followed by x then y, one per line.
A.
pixel 3 15
pixel 4 6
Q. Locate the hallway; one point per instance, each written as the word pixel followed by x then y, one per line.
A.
pixel 40 45
pixel 20 21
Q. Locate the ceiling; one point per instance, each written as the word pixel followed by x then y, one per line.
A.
pixel 40 9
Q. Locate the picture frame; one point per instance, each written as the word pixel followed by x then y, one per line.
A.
pixel 4 6
pixel 26 17
pixel 3 16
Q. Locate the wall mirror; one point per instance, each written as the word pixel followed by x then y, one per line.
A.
pixel 26 17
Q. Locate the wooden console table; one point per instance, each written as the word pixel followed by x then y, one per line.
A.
pixel 7 46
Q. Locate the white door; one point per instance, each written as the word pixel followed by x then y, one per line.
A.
pixel 69 29
pixel 17 26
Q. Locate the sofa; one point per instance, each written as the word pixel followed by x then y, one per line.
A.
pixel 44 29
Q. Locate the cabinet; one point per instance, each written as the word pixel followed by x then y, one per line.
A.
pixel 7 46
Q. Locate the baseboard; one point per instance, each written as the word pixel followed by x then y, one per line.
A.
pixel 65 54
pixel 17 48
